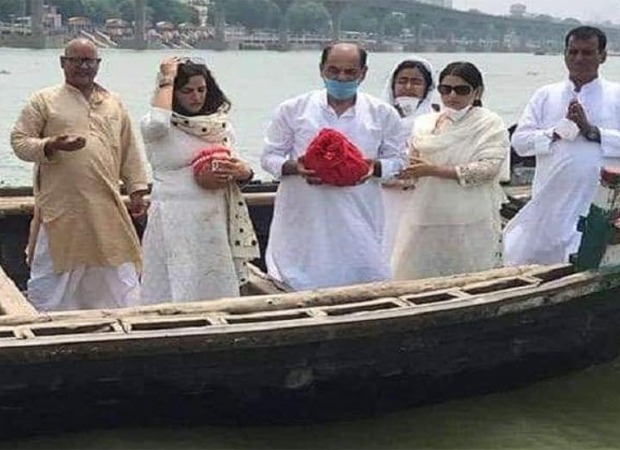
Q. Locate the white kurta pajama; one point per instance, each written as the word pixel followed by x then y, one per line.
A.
pixel 323 235
pixel 453 226
pixel 567 172
pixel 187 253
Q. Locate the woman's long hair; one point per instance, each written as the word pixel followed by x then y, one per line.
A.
pixel 468 72
pixel 215 98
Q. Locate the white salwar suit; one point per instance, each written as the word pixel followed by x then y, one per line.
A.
pixel 451 226
pixel 395 198
pixel 567 172
pixel 187 255
pixel 325 235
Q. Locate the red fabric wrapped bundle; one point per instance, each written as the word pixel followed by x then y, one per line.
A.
pixel 335 159
pixel 204 158
pixel 202 165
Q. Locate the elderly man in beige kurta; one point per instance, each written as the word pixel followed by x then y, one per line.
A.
pixel 79 136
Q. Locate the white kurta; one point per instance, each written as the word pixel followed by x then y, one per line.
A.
pixel 451 226
pixel 395 198
pixel 567 172
pixel 324 235
pixel 187 256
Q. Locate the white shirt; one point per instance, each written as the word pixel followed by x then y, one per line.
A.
pixel 325 235
pixel 567 172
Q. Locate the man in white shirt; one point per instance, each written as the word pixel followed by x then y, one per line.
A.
pixel 324 235
pixel 573 129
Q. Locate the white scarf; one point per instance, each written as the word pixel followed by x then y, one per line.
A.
pixel 425 104
pixel 478 135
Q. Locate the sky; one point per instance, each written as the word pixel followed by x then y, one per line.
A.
pixel 594 10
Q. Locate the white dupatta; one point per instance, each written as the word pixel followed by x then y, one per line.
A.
pixel 479 135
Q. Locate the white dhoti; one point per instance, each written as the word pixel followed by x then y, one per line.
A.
pixel 81 288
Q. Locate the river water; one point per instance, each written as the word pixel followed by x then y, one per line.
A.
pixel 580 410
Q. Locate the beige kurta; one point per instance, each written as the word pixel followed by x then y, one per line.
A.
pixel 77 193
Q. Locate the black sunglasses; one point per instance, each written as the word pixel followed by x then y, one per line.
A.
pixel 462 89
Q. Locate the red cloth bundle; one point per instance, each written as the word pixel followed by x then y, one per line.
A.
pixel 204 158
pixel 203 165
pixel 335 159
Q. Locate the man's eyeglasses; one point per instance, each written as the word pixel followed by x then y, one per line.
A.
pixel 462 89
pixel 76 61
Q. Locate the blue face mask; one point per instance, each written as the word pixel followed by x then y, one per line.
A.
pixel 341 90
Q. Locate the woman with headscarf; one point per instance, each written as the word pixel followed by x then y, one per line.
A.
pixel 451 222
pixel 409 88
pixel 199 236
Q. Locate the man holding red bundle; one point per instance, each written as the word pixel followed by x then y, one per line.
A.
pixel 330 148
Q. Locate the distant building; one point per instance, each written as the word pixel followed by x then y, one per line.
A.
pixel 518 10
pixel 52 20
pixel 442 3
pixel 202 7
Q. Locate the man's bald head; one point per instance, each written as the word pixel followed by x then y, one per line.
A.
pixel 78 45
pixel 345 47
pixel 80 64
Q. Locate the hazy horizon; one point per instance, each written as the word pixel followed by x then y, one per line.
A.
pixel 594 10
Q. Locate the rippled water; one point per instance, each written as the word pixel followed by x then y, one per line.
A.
pixel 255 82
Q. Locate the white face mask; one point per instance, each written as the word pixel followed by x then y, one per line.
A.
pixel 408 105
pixel 456 114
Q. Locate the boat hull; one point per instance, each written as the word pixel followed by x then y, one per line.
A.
pixel 312 367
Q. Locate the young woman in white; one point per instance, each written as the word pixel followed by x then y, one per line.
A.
pixel 451 223
pixel 410 89
pixel 199 235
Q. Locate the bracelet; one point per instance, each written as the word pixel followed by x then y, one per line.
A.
pixel 164 80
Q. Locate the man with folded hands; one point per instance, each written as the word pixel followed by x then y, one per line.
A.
pixel 573 129
pixel 330 148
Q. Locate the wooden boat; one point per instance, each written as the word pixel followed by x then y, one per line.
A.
pixel 278 356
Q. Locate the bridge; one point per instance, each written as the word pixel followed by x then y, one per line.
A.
pixel 431 23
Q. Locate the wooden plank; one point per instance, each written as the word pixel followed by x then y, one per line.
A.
pixel 25 204
pixel 306 299
pixel 12 302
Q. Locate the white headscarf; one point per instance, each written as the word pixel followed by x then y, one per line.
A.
pixel 426 104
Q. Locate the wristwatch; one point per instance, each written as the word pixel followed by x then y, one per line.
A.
pixel 593 134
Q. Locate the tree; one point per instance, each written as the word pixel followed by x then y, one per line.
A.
pixel 252 14
pixel 360 19
pixel 100 10
pixel 544 18
pixel 11 8
pixel 394 24
pixel 308 17
pixel 70 8
pixel 127 10
pixel 571 21
pixel 172 11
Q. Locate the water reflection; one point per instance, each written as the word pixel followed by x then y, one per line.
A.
pixel 580 411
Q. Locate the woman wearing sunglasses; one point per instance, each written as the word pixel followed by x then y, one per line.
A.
pixel 451 223
pixel 199 235
pixel 410 88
